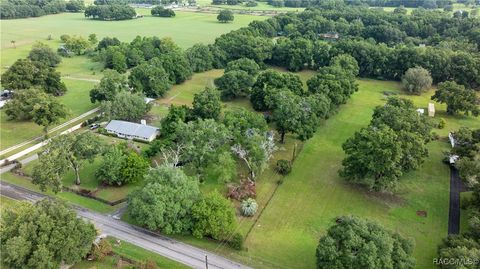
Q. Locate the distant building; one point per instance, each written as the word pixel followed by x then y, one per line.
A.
pixel 131 130
pixel 431 110
pixel 330 36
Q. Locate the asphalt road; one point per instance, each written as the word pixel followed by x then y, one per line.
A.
pixel 162 245
pixel 456 187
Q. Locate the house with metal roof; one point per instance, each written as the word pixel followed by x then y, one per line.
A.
pixel 131 130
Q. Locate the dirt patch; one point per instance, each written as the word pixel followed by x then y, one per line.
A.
pixel 421 213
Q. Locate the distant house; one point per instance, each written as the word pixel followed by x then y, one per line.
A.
pixel 329 36
pixel 431 110
pixel 131 130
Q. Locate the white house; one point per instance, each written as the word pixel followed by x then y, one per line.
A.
pixel 131 130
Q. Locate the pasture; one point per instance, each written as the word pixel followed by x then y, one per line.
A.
pixel 81 73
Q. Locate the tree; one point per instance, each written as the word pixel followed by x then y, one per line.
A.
pixel 119 62
pixel 44 235
pixel 356 243
pixel 33 103
pixel 121 165
pixel 295 54
pixel 134 168
pixel 77 44
pixel 110 85
pixel 457 98
pixel 43 53
pixel 24 74
pixel 176 65
pixel 225 16
pixel 47 110
pixel 75 6
pixel 400 114
pixel 206 104
pixel 292 113
pixel 255 149
pixel 373 158
pixel 92 38
pixel 175 115
pixel 416 80
pixel 201 141
pixel 234 84
pixel 165 201
pixel 199 57
pixel 270 81
pixel 149 79
pixel 336 83
pixel 243 64
pixel 63 152
pixel 223 170
pixel 239 121
pixel 126 106
pixel 112 162
pixel 214 217
pixel 160 11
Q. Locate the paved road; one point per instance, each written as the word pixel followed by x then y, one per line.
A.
pixel 167 247
pixel 456 187
pixel 54 129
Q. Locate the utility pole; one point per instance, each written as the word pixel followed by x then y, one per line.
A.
pixel 206 262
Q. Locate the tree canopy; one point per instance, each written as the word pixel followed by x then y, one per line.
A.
pixel 225 16
pixel 206 104
pixel 64 152
pixel 457 98
pixel 417 80
pixel 165 202
pixel 356 243
pixel 44 235
pixel 126 106
pixel 110 85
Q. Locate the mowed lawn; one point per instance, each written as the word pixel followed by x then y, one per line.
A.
pixel 186 28
pixel 310 198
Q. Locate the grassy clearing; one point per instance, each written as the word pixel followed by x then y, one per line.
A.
pixel 313 194
pixel 187 28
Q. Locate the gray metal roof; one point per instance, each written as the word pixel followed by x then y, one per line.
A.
pixel 131 128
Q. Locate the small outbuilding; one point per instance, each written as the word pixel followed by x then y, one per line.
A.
pixel 431 110
pixel 132 130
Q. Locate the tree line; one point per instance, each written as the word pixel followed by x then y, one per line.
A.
pixel 109 12
pixel 11 9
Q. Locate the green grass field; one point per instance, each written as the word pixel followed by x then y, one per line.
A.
pixel 313 194
pixel 80 73
pixel 187 28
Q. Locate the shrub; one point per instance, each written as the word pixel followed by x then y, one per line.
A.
pixel 236 242
pixel 246 189
pixel 251 3
pixel 162 12
pixel 283 167
pixel 64 38
pixel 441 123
pixel 416 80
pixel 100 250
pixel 249 207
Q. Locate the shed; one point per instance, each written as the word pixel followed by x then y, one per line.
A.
pixel 431 110
pixel 131 130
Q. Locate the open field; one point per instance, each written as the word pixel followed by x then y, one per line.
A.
pixel 186 29
pixel 80 73
pixel 313 194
